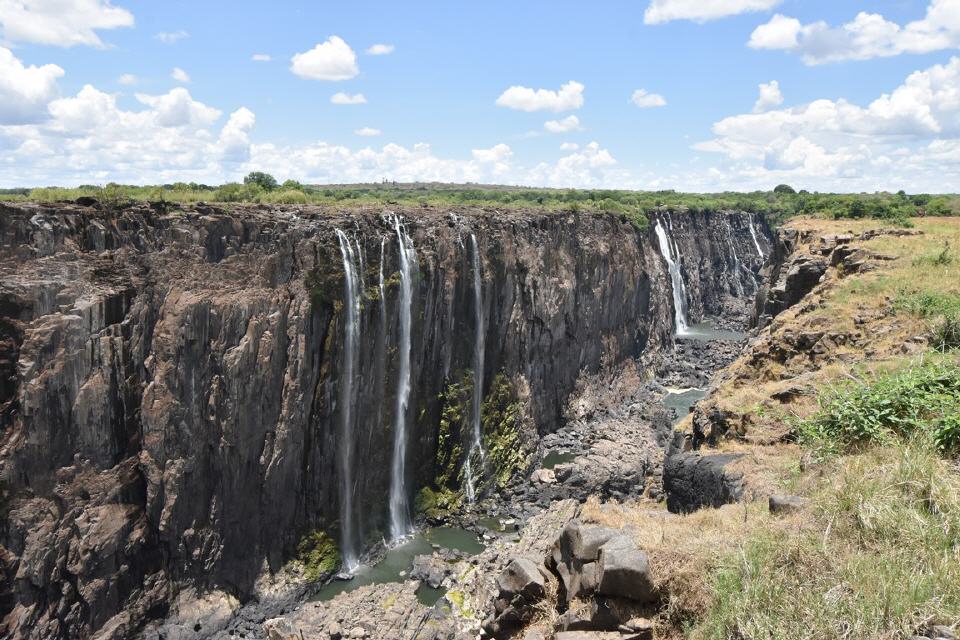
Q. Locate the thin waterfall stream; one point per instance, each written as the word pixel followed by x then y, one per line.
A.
pixel 351 290
pixel 401 524
pixel 479 346
pixel 676 280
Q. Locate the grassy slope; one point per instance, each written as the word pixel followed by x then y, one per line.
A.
pixel 877 555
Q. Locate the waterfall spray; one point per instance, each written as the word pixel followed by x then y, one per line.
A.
pixel 676 280
pixel 479 347
pixel 351 291
pixel 400 520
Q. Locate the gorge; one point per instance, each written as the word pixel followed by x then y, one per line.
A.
pixel 191 392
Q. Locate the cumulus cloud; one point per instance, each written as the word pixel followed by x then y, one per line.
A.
pixel 331 60
pixel 566 125
pixel 646 100
pixel 660 11
pixel 567 98
pixel 261 57
pixel 127 79
pixel 179 109
pixel 25 91
pixel 770 97
pixel 171 37
pixel 180 75
pixel 904 137
pixel 868 35
pixel 58 23
pixel 569 146
pixel 345 98
pixel 380 49
pixel 90 138
pixel 367 132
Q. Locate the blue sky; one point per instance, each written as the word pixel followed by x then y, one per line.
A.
pixel 432 101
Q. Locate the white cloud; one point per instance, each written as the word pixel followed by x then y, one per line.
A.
pixel 566 125
pixel 177 109
pixel 770 97
pixel 233 144
pixel 868 35
pixel 834 144
pixel 568 98
pixel 25 91
pixel 180 75
pixel 380 49
pixel 646 100
pixel 345 98
pixel 660 11
pixel 127 79
pixel 171 37
pixel 780 33
pixel 89 138
pixel 330 60
pixel 59 23
pixel 261 57
pixel 569 146
pixel 367 132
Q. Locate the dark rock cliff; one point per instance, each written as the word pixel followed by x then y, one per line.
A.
pixel 168 378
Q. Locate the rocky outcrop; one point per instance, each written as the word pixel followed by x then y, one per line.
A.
pixel 169 378
pixel 693 481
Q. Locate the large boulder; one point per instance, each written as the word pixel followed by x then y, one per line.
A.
pixel 693 481
pixel 524 578
pixel 623 571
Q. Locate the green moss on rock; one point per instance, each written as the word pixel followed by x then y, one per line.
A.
pixel 318 553
pixel 502 421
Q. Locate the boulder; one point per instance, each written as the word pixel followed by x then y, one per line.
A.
pixel 624 571
pixel 523 578
pixel 780 504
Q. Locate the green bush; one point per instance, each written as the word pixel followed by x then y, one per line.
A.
pixel 922 401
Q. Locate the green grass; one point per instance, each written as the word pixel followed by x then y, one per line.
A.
pixel 921 400
pixel 878 557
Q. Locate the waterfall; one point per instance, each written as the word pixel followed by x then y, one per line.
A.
pixel 351 290
pixel 478 353
pixel 400 520
pixel 676 280
pixel 753 234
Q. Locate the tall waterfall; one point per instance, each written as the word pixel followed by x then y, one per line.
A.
pixel 676 280
pixel 756 243
pixel 401 524
pixel 351 291
pixel 479 347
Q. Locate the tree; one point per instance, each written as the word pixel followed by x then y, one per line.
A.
pixel 783 188
pixel 263 180
pixel 292 184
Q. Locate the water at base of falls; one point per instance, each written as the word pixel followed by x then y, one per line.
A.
pixel 351 291
pixel 678 288
pixel 398 560
pixel 401 524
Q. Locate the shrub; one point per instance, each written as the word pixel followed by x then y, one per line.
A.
pixel 318 554
pixel 263 180
pixel 920 401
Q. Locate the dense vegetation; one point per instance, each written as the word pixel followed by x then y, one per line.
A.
pixel 259 187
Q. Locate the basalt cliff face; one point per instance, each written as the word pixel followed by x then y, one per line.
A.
pixel 171 379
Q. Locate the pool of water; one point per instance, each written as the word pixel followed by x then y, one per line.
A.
pixel 429 596
pixel 555 457
pixel 706 331
pixel 680 400
pixel 399 559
